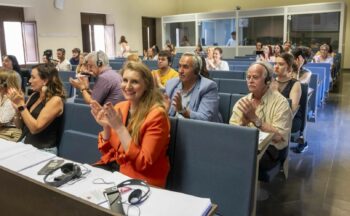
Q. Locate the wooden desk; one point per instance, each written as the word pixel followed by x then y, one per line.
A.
pixel 21 195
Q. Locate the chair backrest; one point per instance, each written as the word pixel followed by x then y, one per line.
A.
pixel 217 161
pixel 304 104
pixel 65 75
pixel 313 99
pixel 235 67
pixel 327 67
pixel 234 100
pixel 233 86
pixel 321 71
pixel 152 65
pixel 69 89
pixel 79 136
pixel 224 106
pixel 116 65
pixel 171 148
pixel 227 74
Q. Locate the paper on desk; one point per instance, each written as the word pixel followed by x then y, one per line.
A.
pixel 262 136
pixel 26 159
pixel 9 149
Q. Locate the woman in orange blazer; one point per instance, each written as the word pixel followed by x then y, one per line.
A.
pixel 136 132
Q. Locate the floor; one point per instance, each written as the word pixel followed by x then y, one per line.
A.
pixel 319 179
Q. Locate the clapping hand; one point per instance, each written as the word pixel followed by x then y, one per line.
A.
pixel 247 107
pixel 17 97
pixel 98 113
pixel 114 118
pixel 177 102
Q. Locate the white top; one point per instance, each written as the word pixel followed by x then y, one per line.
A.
pixel 231 42
pixel 222 66
pixel 318 59
pixel 64 66
pixel 7 112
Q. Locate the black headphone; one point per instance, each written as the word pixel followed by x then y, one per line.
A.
pixel 137 196
pixel 99 62
pixel 71 171
pixel 268 77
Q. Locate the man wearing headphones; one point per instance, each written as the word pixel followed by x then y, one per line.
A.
pixel 107 86
pixel 267 110
pixel 192 95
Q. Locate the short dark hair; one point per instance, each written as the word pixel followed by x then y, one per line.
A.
pixel 233 33
pixel 76 50
pixel 302 51
pixel 167 54
pixel 62 50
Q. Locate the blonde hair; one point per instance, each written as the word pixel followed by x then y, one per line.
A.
pixel 151 98
pixel 9 77
pixel 133 57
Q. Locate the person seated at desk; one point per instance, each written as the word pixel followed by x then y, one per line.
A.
pixel 8 130
pixel 288 87
pixel 164 72
pixel 217 63
pixel 40 118
pixel 266 110
pixel 135 132
pixel 301 56
pixel 192 95
pixel 107 86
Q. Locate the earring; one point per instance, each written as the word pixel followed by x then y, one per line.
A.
pixel 44 88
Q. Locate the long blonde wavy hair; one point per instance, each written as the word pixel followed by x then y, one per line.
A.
pixel 150 99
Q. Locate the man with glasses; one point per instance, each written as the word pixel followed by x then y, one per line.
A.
pixel 107 87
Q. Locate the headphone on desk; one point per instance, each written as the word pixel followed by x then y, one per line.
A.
pixel 70 171
pixel 137 196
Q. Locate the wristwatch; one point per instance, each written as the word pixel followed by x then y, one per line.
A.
pixel 84 89
pixel 182 111
pixel 257 122
pixel 21 108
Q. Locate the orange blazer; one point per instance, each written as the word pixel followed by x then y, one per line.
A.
pixel 148 160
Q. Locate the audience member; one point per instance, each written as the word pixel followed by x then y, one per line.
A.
pixel 287 47
pixel 164 72
pixel 81 68
pixel 199 50
pixel 258 48
pixel 150 54
pixel 193 96
pixel 185 41
pixel 47 56
pixel 301 56
pixel 266 110
pixel 62 64
pixel 171 49
pixel 41 117
pixel 124 46
pixel 107 86
pixel 209 59
pixel 135 132
pixel 277 50
pixel 288 87
pixel 10 62
pixel 8 130
pixel 217 63
pixel 324 55
pixel 133 57
pixel 75 56
pixel 266 55
pixel 232 41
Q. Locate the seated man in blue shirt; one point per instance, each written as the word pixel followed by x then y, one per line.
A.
pixel 192 95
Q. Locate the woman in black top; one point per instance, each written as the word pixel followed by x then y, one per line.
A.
pixel 41 115
pixel 288 87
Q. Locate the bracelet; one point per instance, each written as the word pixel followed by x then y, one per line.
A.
pixel 22 108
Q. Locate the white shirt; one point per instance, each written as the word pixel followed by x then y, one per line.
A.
pixel 231 42
pixel 64 66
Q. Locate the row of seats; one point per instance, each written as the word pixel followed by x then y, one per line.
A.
pixel 223 169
